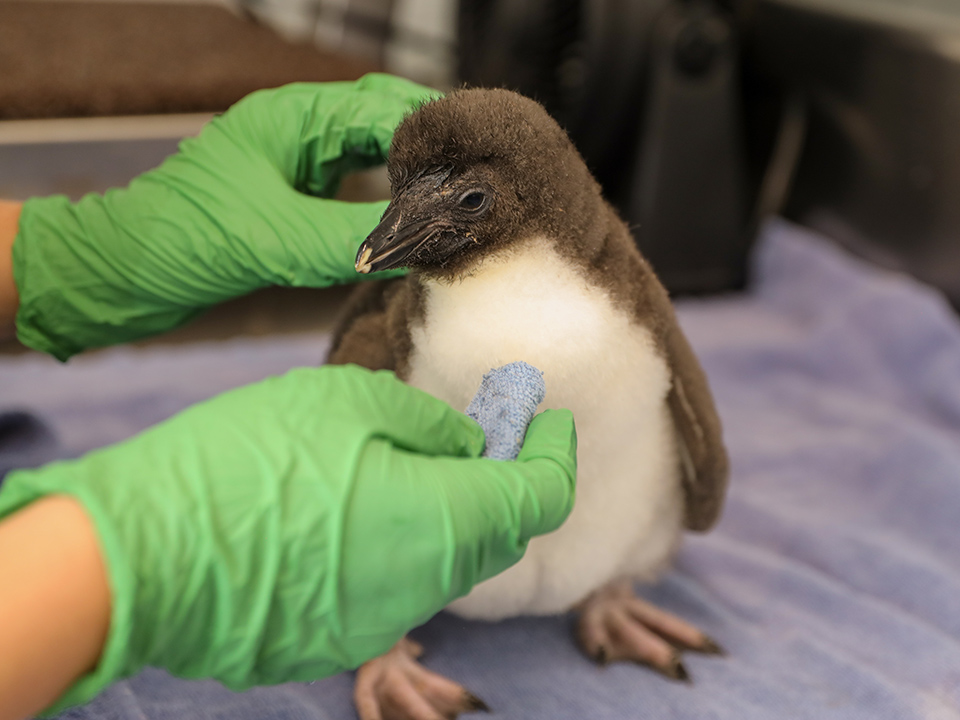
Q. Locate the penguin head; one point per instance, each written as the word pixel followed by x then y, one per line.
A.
pixel 470 174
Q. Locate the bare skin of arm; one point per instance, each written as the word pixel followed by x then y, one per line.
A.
pixel 9 222
pixel 54 596
pixel 54 604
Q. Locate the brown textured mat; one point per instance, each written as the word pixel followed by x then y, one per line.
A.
pixel 71 59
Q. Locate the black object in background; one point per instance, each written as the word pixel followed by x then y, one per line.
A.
pixel 25 442
pixel 880 170
pixel 649 90
pixel 701 118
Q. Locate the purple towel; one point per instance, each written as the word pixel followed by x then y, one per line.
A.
pixel 832 579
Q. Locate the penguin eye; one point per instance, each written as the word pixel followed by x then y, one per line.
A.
pixel 472 200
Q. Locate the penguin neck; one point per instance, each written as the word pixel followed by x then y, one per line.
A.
pixel 526 302
pixel 492 265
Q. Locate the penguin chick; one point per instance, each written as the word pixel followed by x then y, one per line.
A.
pixel 515 255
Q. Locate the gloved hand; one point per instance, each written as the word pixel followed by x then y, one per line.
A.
pixel 297 527
pixel 224 216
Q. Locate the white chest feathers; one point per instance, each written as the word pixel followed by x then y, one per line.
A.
pixel 530 304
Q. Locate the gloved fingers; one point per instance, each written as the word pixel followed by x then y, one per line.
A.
pixel 497 506
pixel 322 239
pixel 314 133
pixel 552 434
pixel 548 464
pixel 410 419
pixel 351 127
pixel 478 513
pixel 402 93
pixel 446 523
pixel 513 501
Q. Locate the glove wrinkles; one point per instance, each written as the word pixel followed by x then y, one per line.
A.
pixel 297 527
pixel 243 205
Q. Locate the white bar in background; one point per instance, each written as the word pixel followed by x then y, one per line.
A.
pixel 100 129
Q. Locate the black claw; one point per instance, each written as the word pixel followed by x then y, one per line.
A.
pixel 473 703
pixel 674 669
pixel 679 672
pixel 601 656
pixel 710 647
pixel 707 646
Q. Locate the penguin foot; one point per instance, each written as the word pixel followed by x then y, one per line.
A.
pixel 395 686
pixel 615 624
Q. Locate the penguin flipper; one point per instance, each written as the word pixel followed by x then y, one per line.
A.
pixel 703 458
pixel 361 335
pixel 375 330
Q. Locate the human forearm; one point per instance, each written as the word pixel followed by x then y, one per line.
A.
pixel 54 604
pixel 220 526
pixel 9 222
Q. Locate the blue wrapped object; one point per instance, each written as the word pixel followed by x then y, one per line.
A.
pixel 504 406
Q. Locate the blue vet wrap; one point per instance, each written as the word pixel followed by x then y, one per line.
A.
pixel 504 406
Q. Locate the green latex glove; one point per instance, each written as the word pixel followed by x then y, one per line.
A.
pixel 229 213
pixel 294 528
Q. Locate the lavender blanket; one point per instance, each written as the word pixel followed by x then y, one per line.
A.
pixel 833 579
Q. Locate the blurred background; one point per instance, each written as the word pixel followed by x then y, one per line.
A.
pixel 701 118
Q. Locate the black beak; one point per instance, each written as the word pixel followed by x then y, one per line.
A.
pixel 392 242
